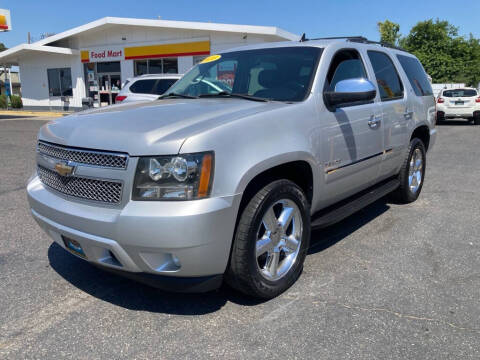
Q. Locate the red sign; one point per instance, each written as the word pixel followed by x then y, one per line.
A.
pixel 105 54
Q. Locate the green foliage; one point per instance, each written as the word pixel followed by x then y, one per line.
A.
pixel 446 56
pixel 16 102
pixel 389 32
pixel 3 101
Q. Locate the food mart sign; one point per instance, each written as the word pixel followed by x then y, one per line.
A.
pixel 145 52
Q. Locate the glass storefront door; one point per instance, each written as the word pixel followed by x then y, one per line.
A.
pixel 103 82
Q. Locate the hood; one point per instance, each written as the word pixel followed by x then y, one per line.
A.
pixel 149 128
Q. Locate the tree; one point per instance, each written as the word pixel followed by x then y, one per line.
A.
pixel 446 56
pixel 389 32
pixel 2 47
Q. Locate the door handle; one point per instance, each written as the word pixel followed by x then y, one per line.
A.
pixel 408 115
pixel 374 122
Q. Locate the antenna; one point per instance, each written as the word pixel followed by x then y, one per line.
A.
pixel 303 38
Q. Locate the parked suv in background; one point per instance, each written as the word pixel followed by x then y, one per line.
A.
pixel 198 187
pixel 459 103
pixel 146 87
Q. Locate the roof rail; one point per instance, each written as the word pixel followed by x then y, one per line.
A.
pixel 384 44
pixel 357 39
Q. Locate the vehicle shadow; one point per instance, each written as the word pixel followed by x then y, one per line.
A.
pixel 455 122
pixel 322 239
pixel 10 117
pixel 136 296
pixel 133 295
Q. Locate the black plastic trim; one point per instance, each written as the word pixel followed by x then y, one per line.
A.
pixel 344 99
pixel 171 283
pixel 351 205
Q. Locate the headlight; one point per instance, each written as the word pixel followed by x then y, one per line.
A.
pixel 181 177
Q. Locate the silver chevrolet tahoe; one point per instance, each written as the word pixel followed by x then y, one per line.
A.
pixel 224 176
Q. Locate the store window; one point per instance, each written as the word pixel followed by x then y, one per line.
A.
pixel 156 66
pixel 108 67
pixel 60 82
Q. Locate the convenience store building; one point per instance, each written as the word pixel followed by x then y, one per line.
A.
pixel 95 59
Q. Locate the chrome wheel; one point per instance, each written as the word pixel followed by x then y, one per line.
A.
pixel 415 171
pixel 278 239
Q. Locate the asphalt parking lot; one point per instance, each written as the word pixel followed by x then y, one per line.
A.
pixel 390 282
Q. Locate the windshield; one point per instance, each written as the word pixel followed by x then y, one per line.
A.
pixel 280 74
pixel 460 93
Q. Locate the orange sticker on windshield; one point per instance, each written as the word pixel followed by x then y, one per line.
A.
pixel 211 58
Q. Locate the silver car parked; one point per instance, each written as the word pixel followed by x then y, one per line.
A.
pixel 203 186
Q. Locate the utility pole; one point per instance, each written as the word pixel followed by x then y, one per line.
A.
pixel 10 77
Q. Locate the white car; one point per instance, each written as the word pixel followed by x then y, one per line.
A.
pixel 459 103
pixel 146 87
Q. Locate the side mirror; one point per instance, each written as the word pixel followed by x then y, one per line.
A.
pixel 350 92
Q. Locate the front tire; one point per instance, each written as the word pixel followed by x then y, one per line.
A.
pixel 271 241
pixel 412 173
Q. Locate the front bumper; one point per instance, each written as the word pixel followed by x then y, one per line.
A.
pixel 174 239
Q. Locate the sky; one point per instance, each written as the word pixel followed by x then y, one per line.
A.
pixel 316 18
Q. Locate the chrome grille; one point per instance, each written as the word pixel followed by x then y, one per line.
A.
pixel 84 188
pixel 88 157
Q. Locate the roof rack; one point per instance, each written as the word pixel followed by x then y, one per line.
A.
pixel 357 39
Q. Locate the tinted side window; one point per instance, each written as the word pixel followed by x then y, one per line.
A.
pixel 388 80
pixel 346 64
pixel 163 85
pixel 416 75
pixel 143 86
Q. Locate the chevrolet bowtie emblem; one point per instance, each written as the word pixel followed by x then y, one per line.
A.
pixel 63 169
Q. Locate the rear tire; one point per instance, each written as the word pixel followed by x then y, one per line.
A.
pixel 412 173
pixel 271 241
pixel 440 117
pixel 476 120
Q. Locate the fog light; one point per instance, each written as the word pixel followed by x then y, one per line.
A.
pixel 161 262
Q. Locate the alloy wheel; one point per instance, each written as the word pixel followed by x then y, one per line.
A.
pixel 279 239
pixel 415 171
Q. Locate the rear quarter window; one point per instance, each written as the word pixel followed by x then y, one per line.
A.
pixel 416 75
pixel 143 86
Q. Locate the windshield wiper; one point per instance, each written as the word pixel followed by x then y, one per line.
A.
pixel 234 95
pixel 172 94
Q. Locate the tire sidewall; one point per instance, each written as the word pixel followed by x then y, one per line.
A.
pixel 415 144
pixel 280 190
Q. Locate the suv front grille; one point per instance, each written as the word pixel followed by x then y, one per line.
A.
pixel 87 157
pixel 84 188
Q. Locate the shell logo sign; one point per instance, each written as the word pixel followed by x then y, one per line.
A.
pixel 5 23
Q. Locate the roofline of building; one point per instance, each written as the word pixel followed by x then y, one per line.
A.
pixel 172 24
pixel 16 50
pixel 42 45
